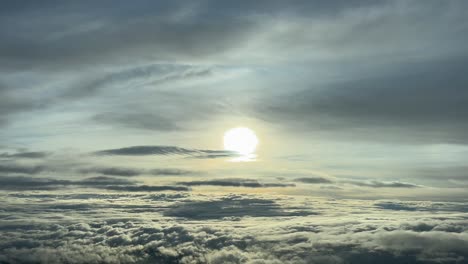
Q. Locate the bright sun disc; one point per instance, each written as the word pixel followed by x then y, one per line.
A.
pixel 241 139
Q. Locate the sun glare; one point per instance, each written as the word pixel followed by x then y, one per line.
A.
pixel 241 139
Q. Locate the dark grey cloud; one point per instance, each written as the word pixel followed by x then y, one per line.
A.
pixel 26 155
pixel 95 35
pixel 233 207
pixel 138 120
pixel 148 109
pixel 165 151
pixel 130 172
pixel 313 180
pixel 171 172
pixel 153 74
pixel 360 183
pixel 21 169
pixel 235 183
pixel 422 102
pixel 146 188
pixel 212 33
pixel 99 182
pixel 421 206
pixel 164 111
pixel 32 183
pixel 166 31
pixel 381 184
pixel 29 183
pixel 113 171
pixel 147 150
pixel 12 104
pixel 443 174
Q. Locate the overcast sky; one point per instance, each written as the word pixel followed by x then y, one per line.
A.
pixel 364 102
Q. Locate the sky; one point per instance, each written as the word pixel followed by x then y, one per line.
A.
pixel 113 115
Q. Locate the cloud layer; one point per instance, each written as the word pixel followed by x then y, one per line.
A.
pixel 129 228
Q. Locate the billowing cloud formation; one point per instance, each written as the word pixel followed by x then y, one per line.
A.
pixel 254 229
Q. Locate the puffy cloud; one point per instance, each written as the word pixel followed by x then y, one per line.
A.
pixel 94 229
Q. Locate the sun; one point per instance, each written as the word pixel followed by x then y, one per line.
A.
pixel 241 140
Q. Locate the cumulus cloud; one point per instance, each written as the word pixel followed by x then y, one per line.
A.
pixel 253 229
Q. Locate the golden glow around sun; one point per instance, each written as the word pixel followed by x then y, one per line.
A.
pixel 241 139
